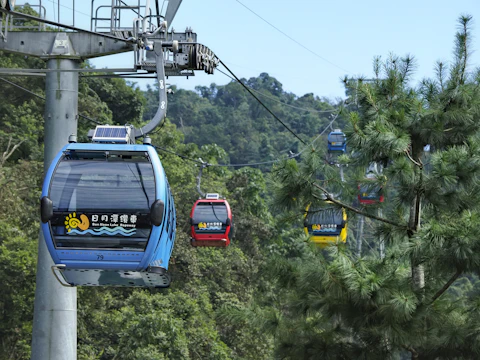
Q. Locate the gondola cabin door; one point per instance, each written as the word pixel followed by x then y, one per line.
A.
pixel 211 222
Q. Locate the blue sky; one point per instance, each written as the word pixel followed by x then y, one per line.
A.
pixel 344 35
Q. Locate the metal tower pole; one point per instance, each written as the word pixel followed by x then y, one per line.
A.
pixel 55 314
pixel 361 220
pixel 382 240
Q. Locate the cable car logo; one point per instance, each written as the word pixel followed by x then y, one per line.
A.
pixel 210 226
pixel 324 227
pixel 71 222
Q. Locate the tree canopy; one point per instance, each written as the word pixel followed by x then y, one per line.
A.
pixel 272 293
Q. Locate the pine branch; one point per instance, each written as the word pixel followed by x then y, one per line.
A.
pixel 348 207
pixel 465 38
pixel 446 286
pixel 419 164
pixel 441 75
pixel 370 98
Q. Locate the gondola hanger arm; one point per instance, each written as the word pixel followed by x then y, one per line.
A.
pixel 199 177
pixel 162 95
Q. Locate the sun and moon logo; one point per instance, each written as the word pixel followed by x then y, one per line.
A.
pixel 72 222
pixel 210 226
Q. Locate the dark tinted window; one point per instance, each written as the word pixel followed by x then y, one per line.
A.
pixel 325 216
pixel 338 138
pixel 210 212
pixel 103 185
pixel 102 200
pixel 369 191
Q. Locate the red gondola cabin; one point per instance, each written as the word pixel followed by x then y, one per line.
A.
pixel 211 221
pixel 369 194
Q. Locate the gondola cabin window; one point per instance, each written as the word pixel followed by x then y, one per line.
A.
pixel 370 194
pixel 337 139
pixel 210 217
pixel 325 221
pixel 102 207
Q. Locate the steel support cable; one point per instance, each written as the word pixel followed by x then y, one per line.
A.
pixel 179 155
pixel 208 164
pixel 118 76
pixel 261 103
pixel 43 98
pixel 14 71
pixel 318 136
pixel 174 153
pixel 292 39
pixel 252 164
pixel 182 156
pixel 276 100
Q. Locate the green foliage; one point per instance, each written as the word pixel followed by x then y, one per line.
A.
pixel 231 118
pixel 18 227
pixel 148 325
pixel 271 294
pixel 124 100
pixel 341 306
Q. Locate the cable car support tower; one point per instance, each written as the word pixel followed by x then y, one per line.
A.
pixel 137 26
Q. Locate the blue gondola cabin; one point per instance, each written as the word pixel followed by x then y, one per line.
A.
pixel 108 216
pixel 337 142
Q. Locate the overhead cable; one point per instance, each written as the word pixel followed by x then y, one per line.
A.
pixel 277 100
pixel 292 156
pixel 186 157
pixel 295 41
pixel 261 103
pixel 43 98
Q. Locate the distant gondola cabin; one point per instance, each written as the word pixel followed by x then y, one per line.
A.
pixel 211 222
pixel 326 225
pixel 370 193
pixel 337 142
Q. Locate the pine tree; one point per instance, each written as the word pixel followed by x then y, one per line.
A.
pixel 338 306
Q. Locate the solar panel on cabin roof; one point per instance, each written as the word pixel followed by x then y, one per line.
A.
pixel 111 132
pixel 114 134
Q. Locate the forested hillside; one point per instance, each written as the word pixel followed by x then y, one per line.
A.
pixel 221 125
pixel 271 293
pixel 234 120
